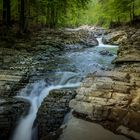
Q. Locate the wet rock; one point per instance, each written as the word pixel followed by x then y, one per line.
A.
pixel 97 31
pixel 128 56
pixel 90 41
pixel 105 53
pixel 110 96
pixel 52 111
pixel 83 43
pixel 135 104
pixel 11 109
pixel 75 46
pixel 114 38
pixel 129 50
pixel 11 81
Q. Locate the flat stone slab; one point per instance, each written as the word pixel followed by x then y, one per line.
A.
pixel 127 59
pixel 128 132
pixel 10 78
pixel 78 129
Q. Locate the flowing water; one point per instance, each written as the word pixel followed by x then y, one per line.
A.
pixel 63 71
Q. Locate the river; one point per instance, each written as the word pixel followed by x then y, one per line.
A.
pixel 64 70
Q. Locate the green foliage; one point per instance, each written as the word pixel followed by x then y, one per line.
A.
pixel 103 12
pixel 55 13
pixel 51 12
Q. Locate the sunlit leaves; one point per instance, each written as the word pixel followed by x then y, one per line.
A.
pixel 102 12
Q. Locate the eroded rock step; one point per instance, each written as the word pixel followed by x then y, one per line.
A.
pixel 11 109
pixel 113 99
pixel 52 112
pixel 12 81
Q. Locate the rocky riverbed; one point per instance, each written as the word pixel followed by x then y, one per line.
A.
pixel 109 96
pixel 27 59
pixel 112 97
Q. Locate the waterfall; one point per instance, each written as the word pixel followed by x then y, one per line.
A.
pixel 35 94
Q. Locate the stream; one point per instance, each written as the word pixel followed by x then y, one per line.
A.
pixel 62 71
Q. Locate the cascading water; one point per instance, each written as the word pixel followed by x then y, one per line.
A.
pixel 69 74
pixel 101 44
pixel 35 96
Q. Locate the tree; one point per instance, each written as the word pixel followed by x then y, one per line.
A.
pixel 24 8
pixel 6 13
pixel 104 12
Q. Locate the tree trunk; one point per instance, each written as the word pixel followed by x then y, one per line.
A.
pixel 6 13
pixel 51 17
pixel 23 16
pixel 133 9
pixel 48 16
pixel 52 25
pixel 131 16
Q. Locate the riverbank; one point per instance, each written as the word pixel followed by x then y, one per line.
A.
pixel 112 97
pixel 109 97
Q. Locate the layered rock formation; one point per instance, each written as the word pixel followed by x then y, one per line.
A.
pixel 113 97
pixel 52 112
pixel 11 109
pixel 130 49
pixel 114 38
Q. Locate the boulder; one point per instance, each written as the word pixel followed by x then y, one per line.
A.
pixel 128 56
pixel 89 41
pixel 51 114
pixel 105 53
pixel 114 38
pixel 129 50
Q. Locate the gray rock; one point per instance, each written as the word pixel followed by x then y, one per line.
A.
pixel 114 38
pixel 52 111
pixel 110 97
pixel 128 132
pixel 11 110
pixel 10 82
pixel 105 53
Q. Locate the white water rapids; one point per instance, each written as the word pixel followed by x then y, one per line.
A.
pixel 84 62
pixel 105 45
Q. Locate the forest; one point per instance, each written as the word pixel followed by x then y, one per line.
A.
pixel 69 69
pixel 61 13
